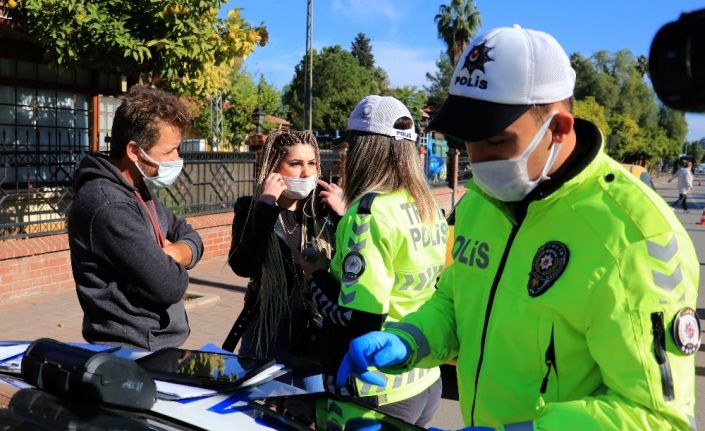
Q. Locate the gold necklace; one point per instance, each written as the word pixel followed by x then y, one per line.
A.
pixel 289 232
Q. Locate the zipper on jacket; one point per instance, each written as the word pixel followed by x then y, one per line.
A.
pixel 490 302
pixel 550 361
pixel 661 358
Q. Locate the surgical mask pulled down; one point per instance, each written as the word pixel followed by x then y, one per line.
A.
pixel 299 188
pixel 168 171
pixel 508 180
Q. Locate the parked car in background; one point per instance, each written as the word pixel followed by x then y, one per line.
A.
pixel 700 169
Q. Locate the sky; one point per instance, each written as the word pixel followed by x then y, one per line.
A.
pixel 405 42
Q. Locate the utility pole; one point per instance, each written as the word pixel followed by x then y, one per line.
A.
pixel 308 70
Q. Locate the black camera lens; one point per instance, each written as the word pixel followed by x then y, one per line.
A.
pixel 677 62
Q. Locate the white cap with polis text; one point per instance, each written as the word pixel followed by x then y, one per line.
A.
pixel 377 114
pixel 500 75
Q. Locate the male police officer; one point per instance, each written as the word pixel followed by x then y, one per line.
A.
pixel 570 300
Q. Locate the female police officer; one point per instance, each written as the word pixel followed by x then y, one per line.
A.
pixel 390 247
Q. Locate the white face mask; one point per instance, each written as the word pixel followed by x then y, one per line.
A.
pixel 167 172
pixel 298 188
pixel 508 180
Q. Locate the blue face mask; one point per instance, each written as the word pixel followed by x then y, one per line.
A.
pixel 167 172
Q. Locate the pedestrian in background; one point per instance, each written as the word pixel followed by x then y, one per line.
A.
pixel 279 319
pixel 685 183
pixel 129 253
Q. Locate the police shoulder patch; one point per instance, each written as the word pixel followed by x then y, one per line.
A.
pixel 353 265
pixel 549 263
pixel 686 331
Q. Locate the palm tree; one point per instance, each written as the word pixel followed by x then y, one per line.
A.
pixel 456 24
pixel 642 65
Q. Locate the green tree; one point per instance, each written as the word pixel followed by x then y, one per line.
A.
pixel 638 129
pixel 269 98
pixel 361 49
pixel 380 80
pixel 696 150
pixel 439 81
pixel 635 98
pixel 624 130
pixel 590 110
pixel 240 99
pixel 585 76
pixel 177 44
pixel 593 78
pixel 673 123
pixel 339 82
pixel 456 24
pixel 651 146
pixel 642 65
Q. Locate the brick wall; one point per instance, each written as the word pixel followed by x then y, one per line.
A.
pixel 38 265
pixel 32 266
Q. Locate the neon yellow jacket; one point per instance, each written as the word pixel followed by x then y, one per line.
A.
pixel 591 338
pixel 400 260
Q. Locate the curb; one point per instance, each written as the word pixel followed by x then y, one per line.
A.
pixel 193 299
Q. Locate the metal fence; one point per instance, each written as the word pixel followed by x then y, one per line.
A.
pixel 441 178
pixel 35 189
pixel 36 186
pixel 210 183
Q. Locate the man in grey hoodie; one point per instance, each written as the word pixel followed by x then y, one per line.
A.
pixel 129 253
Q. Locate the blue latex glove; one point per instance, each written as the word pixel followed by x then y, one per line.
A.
pixel 362 424
pixel 376 349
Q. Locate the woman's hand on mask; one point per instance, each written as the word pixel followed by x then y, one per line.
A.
pixel 332 195
pixel 272 188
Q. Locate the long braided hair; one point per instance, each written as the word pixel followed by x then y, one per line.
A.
pixel 273 300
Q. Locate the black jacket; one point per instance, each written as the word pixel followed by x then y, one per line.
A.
pixel 131 292
pixel 247 254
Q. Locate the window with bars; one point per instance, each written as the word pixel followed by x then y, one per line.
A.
pixel 40 129
pixel 43 134
pixel 106 113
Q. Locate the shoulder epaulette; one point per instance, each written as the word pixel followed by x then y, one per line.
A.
pixel 365 206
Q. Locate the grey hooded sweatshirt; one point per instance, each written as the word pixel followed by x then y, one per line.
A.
pixel 131 292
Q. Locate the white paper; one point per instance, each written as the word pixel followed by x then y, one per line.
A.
pixel 182 391
pixel 11 358
pixel 7 352
pixel 263 376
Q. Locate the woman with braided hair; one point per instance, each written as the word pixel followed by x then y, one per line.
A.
pixel 279 318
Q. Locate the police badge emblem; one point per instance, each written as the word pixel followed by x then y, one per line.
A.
pixel 549 263
pixel 686 331
pixel 353 265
